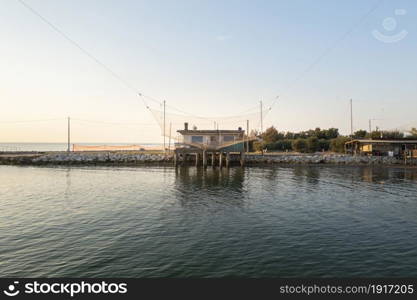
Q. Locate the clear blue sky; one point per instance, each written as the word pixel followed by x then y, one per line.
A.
pixel 208 58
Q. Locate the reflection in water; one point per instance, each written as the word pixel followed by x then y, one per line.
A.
pixel 311 174
pixel 275 221
pixel 383 174
pixel 67 183
pixel 196 185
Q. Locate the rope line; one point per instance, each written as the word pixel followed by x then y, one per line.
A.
pixel 85 52
pixel 327 50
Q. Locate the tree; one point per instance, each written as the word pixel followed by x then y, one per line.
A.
pixel 270 135
pixel 321 134
pixel 360 134
pixel 289 135
pixel 300 145
pixel 413 133
pixel 332 133
pixel 338 144
pixel 387 135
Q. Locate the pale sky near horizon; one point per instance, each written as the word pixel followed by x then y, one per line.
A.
pixel 208 58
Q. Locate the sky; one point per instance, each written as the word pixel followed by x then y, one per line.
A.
pixel 207 58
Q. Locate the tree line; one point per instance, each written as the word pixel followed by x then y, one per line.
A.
pixel 315 140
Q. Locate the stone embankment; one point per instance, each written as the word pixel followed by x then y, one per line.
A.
pixel 129 158
pixel 340 159
pixel 84 158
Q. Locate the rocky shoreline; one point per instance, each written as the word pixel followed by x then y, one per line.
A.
pixel 127 158
pixel 338 159
pixel 83 158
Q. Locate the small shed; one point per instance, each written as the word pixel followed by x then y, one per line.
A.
pixel 394 148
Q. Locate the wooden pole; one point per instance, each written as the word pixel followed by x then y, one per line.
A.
pixel 164 128
pixel 227 159
pixel 370 127
pixel 247 135
pixel 221 160
pixel 204 158
pixel 69 135
pixel 351 118
pixel 169 141
pixel 262 125
pixel 184 158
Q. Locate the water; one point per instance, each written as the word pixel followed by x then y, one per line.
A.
pixel 16 147
pixel 258 222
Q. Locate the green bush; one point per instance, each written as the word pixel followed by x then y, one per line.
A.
pixel 338 144
pixel 324 145
pixel 313 144
pixel 283 145
pixel 300 145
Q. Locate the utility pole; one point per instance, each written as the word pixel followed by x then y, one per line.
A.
pixel 351 118
pixel 69 135
pixel 164 129
pixel 169 141
pixel 262 125
pixel 247 135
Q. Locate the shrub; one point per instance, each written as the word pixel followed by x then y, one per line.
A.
pixel 338 144
pixel 313 144
pixel 283 145
pixel 324 145
pixel 300 145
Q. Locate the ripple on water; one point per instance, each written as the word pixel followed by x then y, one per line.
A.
pixel 298 221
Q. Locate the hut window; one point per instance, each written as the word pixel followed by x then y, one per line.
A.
pixel 196 139
pixel 228 138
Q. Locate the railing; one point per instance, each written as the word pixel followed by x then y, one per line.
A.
pixel 213 145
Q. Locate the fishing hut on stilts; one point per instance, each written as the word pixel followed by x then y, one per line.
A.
pixel 215 147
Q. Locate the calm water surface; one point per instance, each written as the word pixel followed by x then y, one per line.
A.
pixel 254 222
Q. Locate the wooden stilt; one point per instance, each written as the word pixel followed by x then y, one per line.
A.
pixel 197 159
pixel 204 158
pixel 227 159
pixel 242 158
pixel 221 160
pixel 213 158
